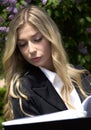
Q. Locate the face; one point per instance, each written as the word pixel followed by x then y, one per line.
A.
pixel 34 47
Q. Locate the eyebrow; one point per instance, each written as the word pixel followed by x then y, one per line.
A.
pixel 33 35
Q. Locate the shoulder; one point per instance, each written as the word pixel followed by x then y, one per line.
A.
pixel 33 77
pixel 79 67
pixel 86 82
pixel 85 78
pixel 82 70
pixel 33 74
pixel 86 74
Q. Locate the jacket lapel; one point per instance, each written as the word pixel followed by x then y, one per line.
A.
pixel 43 87
pixel 48 93
pixel 80 94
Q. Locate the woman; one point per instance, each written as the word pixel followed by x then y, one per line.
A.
pixel 39 78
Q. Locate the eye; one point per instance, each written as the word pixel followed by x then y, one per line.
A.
pixel 38 39
pixel 22 43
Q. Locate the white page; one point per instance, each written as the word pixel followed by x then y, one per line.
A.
pixel 64 115
pixel 87 106
pixel 83 112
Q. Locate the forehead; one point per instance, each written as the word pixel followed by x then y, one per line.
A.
pixel 27 29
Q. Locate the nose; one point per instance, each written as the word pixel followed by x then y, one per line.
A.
pixel 31 47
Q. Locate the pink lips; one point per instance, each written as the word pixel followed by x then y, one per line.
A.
pixel 36 59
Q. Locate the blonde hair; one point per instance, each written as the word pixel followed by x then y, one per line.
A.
pixel 14 64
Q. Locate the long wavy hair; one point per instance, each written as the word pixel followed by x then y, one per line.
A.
pixel 14 64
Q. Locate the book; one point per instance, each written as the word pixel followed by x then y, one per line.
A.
pixel 72 123
pixel 64 119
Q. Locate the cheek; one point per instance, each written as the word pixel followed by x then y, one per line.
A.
pixel 23 52
pixel 47 50
pixel 46 45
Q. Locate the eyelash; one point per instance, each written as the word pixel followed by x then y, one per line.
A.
pixel 38 40
pixel 24 43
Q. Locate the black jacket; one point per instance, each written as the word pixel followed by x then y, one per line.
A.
pixel 42 97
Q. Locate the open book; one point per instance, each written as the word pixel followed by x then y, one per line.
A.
pixel 57 116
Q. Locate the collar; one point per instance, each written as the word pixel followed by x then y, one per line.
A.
pixel 53 78
pixel 49 74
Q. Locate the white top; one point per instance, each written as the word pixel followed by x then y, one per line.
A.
pixel 58 84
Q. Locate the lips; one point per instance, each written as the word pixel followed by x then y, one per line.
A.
pixel 36 59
